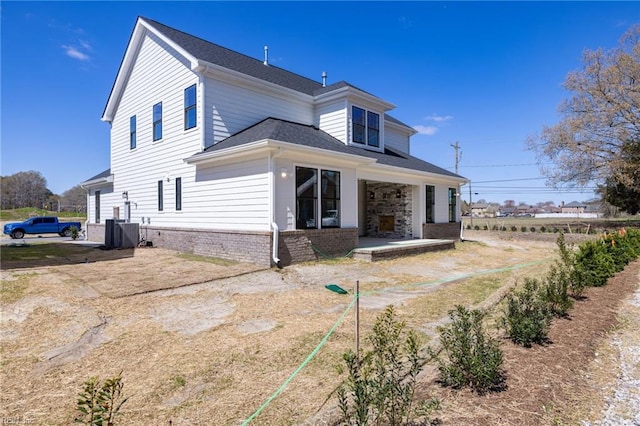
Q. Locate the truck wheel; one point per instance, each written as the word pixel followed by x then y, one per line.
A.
pixel 66 232
pixel 17 234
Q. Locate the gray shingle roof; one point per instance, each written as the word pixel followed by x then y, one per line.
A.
pixel 104 174
pixel 306 135
pixel 227 58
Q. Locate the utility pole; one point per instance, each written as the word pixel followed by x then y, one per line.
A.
pixel 470 206
pixel 456 146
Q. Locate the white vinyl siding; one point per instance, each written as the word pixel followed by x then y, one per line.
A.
pixel 396 140
pixel 230 109
pixel 157 76
pixel 332 118
pixel 229 196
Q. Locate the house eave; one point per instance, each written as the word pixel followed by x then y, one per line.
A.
pixel 267 146
pixel 401 171
pixel 96 183
pixel 352 93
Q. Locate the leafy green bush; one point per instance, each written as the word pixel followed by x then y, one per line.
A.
pixel 594 264
pixel 543 228
pixel 514 228
pixel 471 357
pixel 75 233
pixel 527 317
pixel 99 403
pixel 381 382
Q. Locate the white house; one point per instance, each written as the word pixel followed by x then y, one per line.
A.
pixel 217 153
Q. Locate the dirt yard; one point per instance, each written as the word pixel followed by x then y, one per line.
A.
pixel 202 343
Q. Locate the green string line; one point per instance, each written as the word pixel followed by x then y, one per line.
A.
pixel 339 321
pixel 301 366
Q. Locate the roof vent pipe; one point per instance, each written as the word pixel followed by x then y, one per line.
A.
pixel 266 55
pixel 324 79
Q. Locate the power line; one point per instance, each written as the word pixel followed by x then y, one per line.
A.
pixel 502 165
pixel 508 180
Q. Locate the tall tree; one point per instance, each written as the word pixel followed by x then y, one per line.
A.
pixel 598 138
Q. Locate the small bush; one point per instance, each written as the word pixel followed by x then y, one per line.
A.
pixel 555 230
pixel 532 229
pixel 100 402
pixel 476 227
pixel 381 382
pixel 485 227
pixel 495 228
pixel 472 357
pixel 527 317
pixel 514 228
pixel 543 229
pixel 75 233
pixel 523 228
pixel 468 226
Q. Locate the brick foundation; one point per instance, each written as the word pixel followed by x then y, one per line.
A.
pixel 293 246
pixel 447 231
pixel 298 246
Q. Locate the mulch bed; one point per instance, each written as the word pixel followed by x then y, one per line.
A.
pixel 544 383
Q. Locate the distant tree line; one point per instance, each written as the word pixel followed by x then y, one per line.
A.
pixel 29 189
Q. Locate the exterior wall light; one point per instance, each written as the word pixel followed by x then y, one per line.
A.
pixel 284 173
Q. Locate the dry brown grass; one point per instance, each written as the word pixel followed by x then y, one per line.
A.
pixel 199 349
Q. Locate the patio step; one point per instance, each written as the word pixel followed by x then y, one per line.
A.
pixel 395 249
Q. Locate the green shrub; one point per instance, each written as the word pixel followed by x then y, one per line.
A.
pixel 514 228
pixel 594 264
pixel 523 228
pixel 476 227
pixel 560 278
pixel 527 317
pixel 471 357
pixel 468 226
pixel 99 403
pixel 381 382
pixel 543 229
pixel 485 227
pixel 555 230
pixel 75 233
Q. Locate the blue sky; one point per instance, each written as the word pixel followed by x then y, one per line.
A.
pixel 484 74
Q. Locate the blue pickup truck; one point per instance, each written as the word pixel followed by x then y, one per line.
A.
pixel 40 225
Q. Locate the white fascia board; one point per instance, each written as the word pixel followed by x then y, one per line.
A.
pixel 406 129
pixel 354 94
pixel 218 72
pixel 286 149
pixel 130 55
pixel 96 183
pixel 383 169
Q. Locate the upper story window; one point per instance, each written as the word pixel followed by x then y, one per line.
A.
pixel 132 132
pixel 190 112
pixel 157 121
pixel 366 127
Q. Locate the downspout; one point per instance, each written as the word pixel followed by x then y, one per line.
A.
pixel 272 210
pixel 86 222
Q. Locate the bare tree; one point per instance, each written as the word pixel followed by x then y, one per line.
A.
pixel 74 199
pixel 598 138
pixel 24 189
